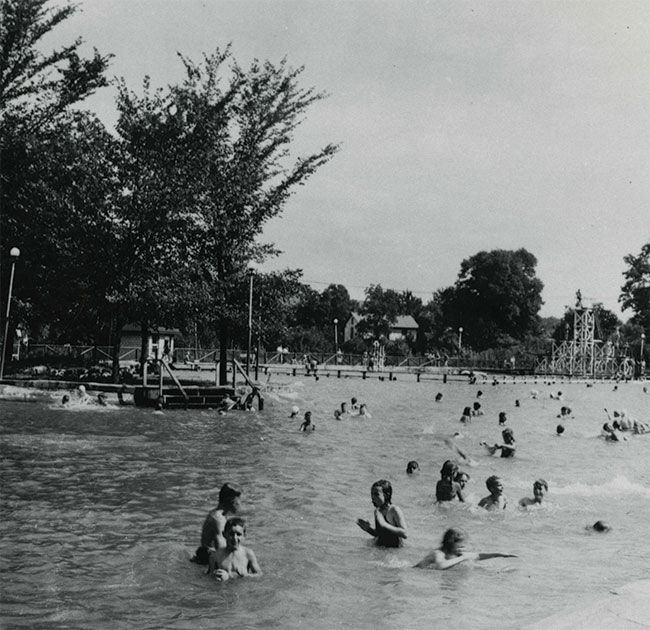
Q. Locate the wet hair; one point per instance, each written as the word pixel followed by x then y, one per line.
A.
pixel 232 522
pixel 477 406
pixel 479 393
pixel 412 466
pixel 449 469
pixel 606 427
pixel 559 429
pixel 517 402
pixel 491 481
pixel 438 396
pixel 502 417
pixel 354 400
pixel 542 483
pixel 467 411
pixel 601 526
pixel 65 399
pixel 507 434
pixel 616 425
pixel 385 487
pixel 451 537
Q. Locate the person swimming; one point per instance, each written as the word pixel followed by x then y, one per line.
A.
pixel 502 417
pixel 600 526
pixel 447 489
pixel 559 429
pixel 412 467
pixel 466 418
pixel 438 397
pixel 390 525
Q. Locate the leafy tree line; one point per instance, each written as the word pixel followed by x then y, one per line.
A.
pixel 158 221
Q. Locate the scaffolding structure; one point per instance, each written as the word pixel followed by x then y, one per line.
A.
pixel 584 355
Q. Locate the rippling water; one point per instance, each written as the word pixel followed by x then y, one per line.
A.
pixel 101 509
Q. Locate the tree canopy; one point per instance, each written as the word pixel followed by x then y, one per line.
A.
pixel 635 292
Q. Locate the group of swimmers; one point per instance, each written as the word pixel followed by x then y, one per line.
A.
pixel 222 537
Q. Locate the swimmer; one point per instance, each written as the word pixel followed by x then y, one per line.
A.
pixel 609 433
pixel 477 411
pixel 600 526
pixel 461 478
pixel 81 393
pixel 353 403
pixel 466 418
pixel 517 403
pixel 234 560
pixel 502 417
pixel 390 525
pixel 533 394
pixel 65 400
pixel 559 430
pixel 479 393
pixel 508 449
pixel 452 552
pixel 212 532
pixel 363 411
pixel 540 488
pixel 101 399
pixel 344 408
pixel 307 425
pixel 337 415
pixel 496 499
pixel 447 489
pixel 295 410
pixel 438 397
pixel 412 467
pixel 565 411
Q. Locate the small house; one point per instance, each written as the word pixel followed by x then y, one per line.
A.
pixel 160 342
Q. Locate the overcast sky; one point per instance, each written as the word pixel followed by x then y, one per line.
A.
pixel 465 126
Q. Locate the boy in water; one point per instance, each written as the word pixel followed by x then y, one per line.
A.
pixel 307 425
pixel 390 526
pixel 508 449
pixel 234 560
pixel 452 552
pixel 540 488
pixel 215 522
pixel 495 500
pixel 447 488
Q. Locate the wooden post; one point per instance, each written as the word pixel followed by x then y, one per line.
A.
pixel 363 375
pixel 338 374
pixel 418 377
pixel 160 378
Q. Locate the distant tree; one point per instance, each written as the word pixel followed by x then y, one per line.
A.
pixel 496 298
pixel 635 292
pixel 380 309
pixel 336 305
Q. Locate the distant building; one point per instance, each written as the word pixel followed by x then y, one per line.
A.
pixel 404 327
pixel 159 341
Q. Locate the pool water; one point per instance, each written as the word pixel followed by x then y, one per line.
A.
pixel 102 507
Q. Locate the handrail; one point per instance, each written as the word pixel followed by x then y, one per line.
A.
pixel 176 381
pixel 247 378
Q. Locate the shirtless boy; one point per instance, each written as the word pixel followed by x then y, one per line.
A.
pixel 495 500
pixel 213 527
pixel 234 560
pixel 390 526
pixel 540 488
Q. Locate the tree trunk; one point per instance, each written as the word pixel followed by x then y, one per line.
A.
pixel 144 344
pixel 223 352
pixel 116 336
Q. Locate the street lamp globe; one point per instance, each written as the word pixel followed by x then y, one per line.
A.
pixel 14 252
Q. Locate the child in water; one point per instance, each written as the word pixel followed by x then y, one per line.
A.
pixel 307 425
pixel 495 500
pixel 452 552
pixel 466 418
pixel 234 560
pixel 390 525
pixel 540 488
pixel 412 467
pixel 447 489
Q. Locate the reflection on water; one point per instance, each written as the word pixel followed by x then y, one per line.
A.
pixel 102 508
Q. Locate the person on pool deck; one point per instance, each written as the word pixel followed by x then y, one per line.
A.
pixel 215 522
pixel 452 552
pixel 495 500
pixel 307 425
pixel 447 489
pixel 234 560
pixel 508 449
pixel 540 488
pixel 390 525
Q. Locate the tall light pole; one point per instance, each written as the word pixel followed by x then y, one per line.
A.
pixel 460 339
pixel 641 357
pixel 250 319
pixel 14 253
pixel 336 334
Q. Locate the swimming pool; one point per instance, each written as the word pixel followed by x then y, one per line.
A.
pixel 101 509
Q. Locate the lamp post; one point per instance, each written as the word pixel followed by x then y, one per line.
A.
pixel 641 357
pixel 14 253
pixel 335 321
pixel 250 319
pixel 460 339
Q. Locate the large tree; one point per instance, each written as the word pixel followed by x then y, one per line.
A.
pixel 635 292
pixel 225 134
pixel 379 309
pixel 53 171
pixel 496 298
